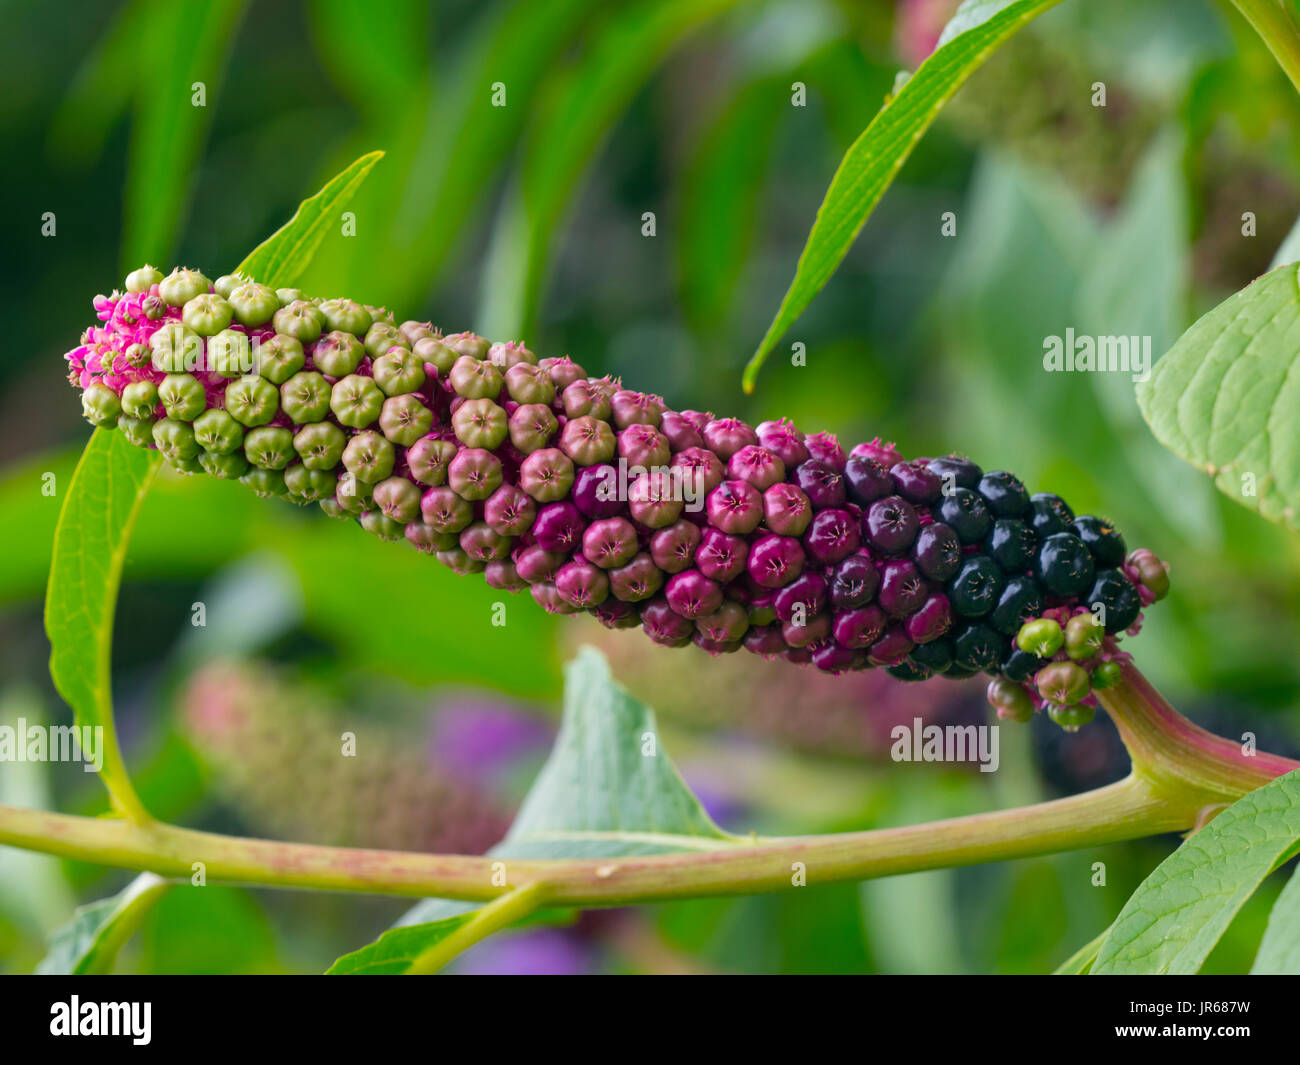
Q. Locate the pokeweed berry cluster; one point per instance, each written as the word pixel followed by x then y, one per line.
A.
pixel 597 498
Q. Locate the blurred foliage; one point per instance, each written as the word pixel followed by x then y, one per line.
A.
pixel 526 220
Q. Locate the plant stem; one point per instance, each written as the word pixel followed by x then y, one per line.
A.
pixel 1270 20
pixel 502 911
pixel 1180 775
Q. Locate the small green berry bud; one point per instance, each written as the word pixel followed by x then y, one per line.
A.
pixel 369 457
pixel 1106 675
pixel 476 347
pixel 280 358
pixel 433 350
pixel 475 379
pixel 460 562
pixel 330 507
pixel 305 397
pixel 143 280
pixel 287 296
pixel 337 353
pixel 404 419
pixel 1042 637
pixel 413 332
pixel 588 440
pixel 266 483
pixel 218 432
pixel 474 474
pixel 270 447
pixel 480 423
pixel 308 486
pixel 230 353
pixel 320 446
pixel 445 511
pixel 299 319
pixel 227 467
pixel 529 384
pixel 140 399
pixel 181 286
pixel 1071 718
pixel 346 316
pixel 531 427
pixel 182 396
pixel 353 495
pixel 1083 636
pixel 1062 683
pixel 428 460
pixel 356 401
pixel 137 430
pixel 101 405
pixel 252 400
pixel 176 348
pixel 253 304
pixel 207 314
pixel 398 372
pixel 154 307
pixel 227 283
pixel 187 467
pixel 585 398
pixel 398 498
pixel 381 336
pixel 175 440
pixel 380 524
pixel 1010 700
pixel 510 354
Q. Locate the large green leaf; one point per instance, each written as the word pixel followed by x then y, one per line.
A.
pixel 608 789
pixel 1080 963
pixel 89 943
pixel 873 160
pixel 1279 953
pixel 90 546
pixel 1174 919
pixel 394 951
pixel 281 259
pixel 1225 396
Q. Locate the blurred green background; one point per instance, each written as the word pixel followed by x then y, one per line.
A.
pixel 526 222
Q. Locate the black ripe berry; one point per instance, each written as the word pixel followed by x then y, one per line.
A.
pixel 979 647
pixel 956 472
pixel 967 513
pixel 1065 565
pixel 935 656
pixel 974 591
pixel 1049 514
pixel 1012 544
pixel 1020 600
pixel 1102 538
pixel 1021 665
pixel 937 551
pixel 1120 598
pixel 909 670
pixel 1004 493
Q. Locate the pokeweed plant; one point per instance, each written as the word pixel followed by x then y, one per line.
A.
pixel 698 529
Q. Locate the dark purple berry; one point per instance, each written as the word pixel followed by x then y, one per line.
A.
pixel 1049 514
pixel 867 481
pixel 1004 494
pixel 558 527
pixel 664 625
pixel 892 647
pixel 890 525
pixel 1120 598
pixel 830 657
pixel 956 472
pixel 909 671
pixel 616 614
pixel 915 483
pixel 1020 665
pixel 1012 544
pixel 1064 565
pixel 595 491
pixel 859 628
pixel 967 513
pixel 902 588
pixel 774 561
pixel 1021 599
pixel 806 594
pixel 854 583
pixel 931 620
pixel 1102 538
pixel 974 591
pixel 937 551
pixel 638 580
pixel 823 485
pixel 833 535
pixel 765 640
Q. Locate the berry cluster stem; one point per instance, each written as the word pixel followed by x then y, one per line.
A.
pixel 1181 773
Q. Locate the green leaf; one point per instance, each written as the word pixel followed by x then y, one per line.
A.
pixel 1225 395
pixel 1279 953
pixel 608 789
pixel 1289 250
pixel 281 259
pixel 89 943
pixel 873 160
pixel 90 546
pixel 375 60
pixel 394 951
pixel 1081 961
pixel 1174 919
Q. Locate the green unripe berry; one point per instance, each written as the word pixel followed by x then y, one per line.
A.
pixel 413 332
pixel 140 399
pixel 228 466
pixel 476 347
pixel 253 304
pixel 398 372
pixel 337 354
pixel 404 419
pixel 381 336
pixel 155 307
pixel 101 405
pixel 1010 700
pixel 475 474
pixel 305 397
pixel 369 457
pixel 137 356
pixel 175 440
pixel 1042 637
pixel 433 350
pixel 181 286
pixel 428 460
pixel 529 384
pixel 287 296
pixel 176 348
pixel 353 495
pixel 280 358
pixel 227 283
pixel 320 445
pixel 270 447
pixel 308 486
pixel 346 316
pixel 299 319
pixel 475 379
pixel 143 280
pixel 218 432
pixel 252 400
pixel 207 314
pixel 480 423
pixel 531 427
pixel 137 430
pixel 332 509
pixel 182 396
pixel 1106 675
pixel 1083 636
pixel 186 466
pixel 1071 718
pixel 265 483
pixel 381 525
pixel 398 498
pixel 356 401
pixel 1062 683
pixel 230 353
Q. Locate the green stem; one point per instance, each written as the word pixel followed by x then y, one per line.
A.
pixel 1181 774
pixel 1270 20
pixel 502 911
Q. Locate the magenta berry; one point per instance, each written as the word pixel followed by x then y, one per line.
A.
pixel 725 436
pixel 679 431
pixel 774 561
pixel 510 510
pixel 595 491
pixel 735 507
pixel 610 542
pixel 673 549
pixel 823 485
pixel 558 527
pixel 692 595
pixel 832 536
pixel 890 525
pixel 638 580
pixel 784 441
pixel 757 465
pixel 902 588
pixel 720 556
